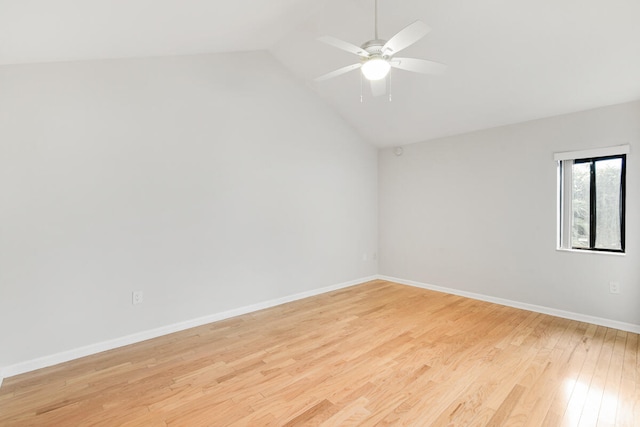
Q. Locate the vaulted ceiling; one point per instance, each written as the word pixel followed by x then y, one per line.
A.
pixel 508 61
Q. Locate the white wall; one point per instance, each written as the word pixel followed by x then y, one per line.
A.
pixel 477 213
pixel 209 182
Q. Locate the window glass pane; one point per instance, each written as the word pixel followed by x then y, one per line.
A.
pixel 580 196
pixel 608 173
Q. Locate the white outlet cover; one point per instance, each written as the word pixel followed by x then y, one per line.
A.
pixel 614 287
pixel 136 297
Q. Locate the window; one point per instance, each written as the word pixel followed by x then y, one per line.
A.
pixel 591 199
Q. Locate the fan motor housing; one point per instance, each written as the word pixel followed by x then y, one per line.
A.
pixel 374 47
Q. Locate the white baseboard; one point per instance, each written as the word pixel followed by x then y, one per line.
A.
pixel 629 327
pixel 65 356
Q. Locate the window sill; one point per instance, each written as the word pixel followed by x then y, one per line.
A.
pixel 584 251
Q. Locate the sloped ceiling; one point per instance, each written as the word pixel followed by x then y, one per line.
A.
pixel 509 61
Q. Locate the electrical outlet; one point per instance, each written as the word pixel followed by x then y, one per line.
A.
pixel 614 287
pixel 136 297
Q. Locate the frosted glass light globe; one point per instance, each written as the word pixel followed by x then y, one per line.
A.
pixel 375 69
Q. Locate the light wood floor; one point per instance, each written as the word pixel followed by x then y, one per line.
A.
pixel 373 354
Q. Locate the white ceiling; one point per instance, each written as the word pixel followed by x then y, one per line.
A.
pixel 509 61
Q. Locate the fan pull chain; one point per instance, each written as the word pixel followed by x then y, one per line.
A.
pixel 390 87
pixel 361 88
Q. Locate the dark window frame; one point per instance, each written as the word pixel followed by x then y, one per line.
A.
pixel 593 202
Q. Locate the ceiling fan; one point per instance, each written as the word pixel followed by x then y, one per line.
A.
pixel 377 56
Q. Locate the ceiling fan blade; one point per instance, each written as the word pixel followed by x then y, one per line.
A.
pixel 406 37
pixel 338 72
pixel 346 46
pixel 379 87
pixel 418 65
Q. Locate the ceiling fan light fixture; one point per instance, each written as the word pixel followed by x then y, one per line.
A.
pixel 376 68
pixel 377 56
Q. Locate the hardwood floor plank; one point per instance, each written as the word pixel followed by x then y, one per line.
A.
pixel 580 386
pixel 636 407
pixel 551 388
pixel 609 405
pixel 351 415
pixel 624 411
pixel 373 354
pixel 320 409
pixel 595 395
pixel 503 412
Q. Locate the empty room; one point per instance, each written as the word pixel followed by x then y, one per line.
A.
pixel 331 213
